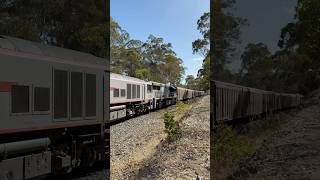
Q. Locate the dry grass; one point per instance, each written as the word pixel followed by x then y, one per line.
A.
pixel 181 110
pixel 230 145
pixel 172 119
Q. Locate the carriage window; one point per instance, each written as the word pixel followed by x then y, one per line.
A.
pixel 128 91
pixel 76 94
pixel 149 88
pixel 123 93
pixel 90 95
pixel 116 93
pixel 41 99
pixel 138 91
pixel 134 91
pixel 156 87
pixel 60 94
pixel 20 99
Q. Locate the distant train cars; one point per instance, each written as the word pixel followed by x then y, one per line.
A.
pixel 130 96
pixel 185 94
pixel 235 102
pixel 53 109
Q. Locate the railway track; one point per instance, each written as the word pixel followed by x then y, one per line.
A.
pixel 132 150
pixel 118 121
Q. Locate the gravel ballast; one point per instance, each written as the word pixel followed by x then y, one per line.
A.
pixel 139 149
pixel 134 140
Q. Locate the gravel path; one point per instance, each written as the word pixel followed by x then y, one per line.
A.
pixel 292 152
pixel 133 141
pixel 189 156
pixel 139 152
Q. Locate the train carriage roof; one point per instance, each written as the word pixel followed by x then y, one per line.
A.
pixel 125 78
pixel 157 83
pixel 62 54
pixel 234 86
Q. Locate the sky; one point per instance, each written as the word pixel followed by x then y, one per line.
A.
pixel 265 19
pixel 173 20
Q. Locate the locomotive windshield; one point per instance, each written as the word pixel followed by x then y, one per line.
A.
pixel 149 89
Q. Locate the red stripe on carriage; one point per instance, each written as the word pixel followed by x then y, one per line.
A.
pixel 5 86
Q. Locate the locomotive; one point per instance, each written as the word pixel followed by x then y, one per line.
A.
pixel 130 96
pixel 53 110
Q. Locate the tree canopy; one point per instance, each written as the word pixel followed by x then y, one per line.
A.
pixel 226 33
pixel 294 68
pixel 82 25
pixel 79 25
pixel 153 60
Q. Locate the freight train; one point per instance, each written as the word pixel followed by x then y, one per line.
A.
pixel 53 110
pixel 233 102
pixel 130 96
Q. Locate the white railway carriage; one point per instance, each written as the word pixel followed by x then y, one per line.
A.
pixel 125 94
pixel 158 90
pixel 150 96
pixel 130 96
pixel 164 94
pixel 124 89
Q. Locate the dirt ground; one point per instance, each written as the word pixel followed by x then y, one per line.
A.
pixel 292 151
pixel 189 156
pixel 145 154
pixel 133 141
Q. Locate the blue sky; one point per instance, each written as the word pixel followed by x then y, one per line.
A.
pixel 173 20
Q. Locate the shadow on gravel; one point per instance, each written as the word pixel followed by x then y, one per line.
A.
pixel 153 167
pixel 292 152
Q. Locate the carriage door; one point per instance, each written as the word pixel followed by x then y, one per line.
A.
pixel 60 93
pixel 76 95
pixel 144 92
pixel 106 96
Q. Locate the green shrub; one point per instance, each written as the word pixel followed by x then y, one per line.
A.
pixel 182 107
pixel 231 144
pixel 228 146
pixel 172 127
